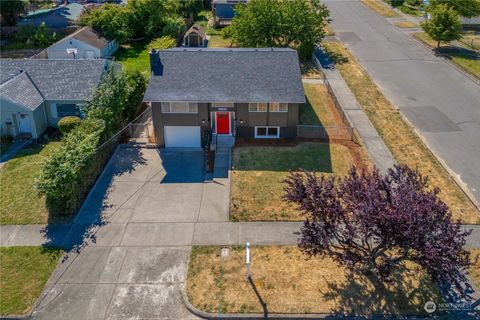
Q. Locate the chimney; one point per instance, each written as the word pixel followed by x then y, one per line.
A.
pixel 155 63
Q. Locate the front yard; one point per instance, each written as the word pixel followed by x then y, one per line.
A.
pixel 19 203
pixel 290 282
pixel 403 142
pixel 257 178
pixel 23 274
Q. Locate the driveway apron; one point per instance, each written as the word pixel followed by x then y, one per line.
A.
pixel 130 243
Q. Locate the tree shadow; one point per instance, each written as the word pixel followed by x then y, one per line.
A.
pixel 405 295
pixel 99 207
pixel 328 58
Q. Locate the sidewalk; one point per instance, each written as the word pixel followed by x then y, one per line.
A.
pixel 376 148
pixel 204 233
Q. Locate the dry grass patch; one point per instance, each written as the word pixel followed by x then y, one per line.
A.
pixel 328 30
pixel 259 172
pixel 319 109
pixel 400 138
pixel 406 24
pixel 289 282
pixel 380 8
pixel 309 70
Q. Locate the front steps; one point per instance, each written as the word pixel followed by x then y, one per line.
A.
pixel 223 153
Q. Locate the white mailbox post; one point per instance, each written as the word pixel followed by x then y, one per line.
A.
pixel 247 260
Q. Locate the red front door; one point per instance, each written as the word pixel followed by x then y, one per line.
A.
pixel 223 123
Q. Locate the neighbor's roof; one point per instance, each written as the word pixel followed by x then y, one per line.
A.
pixel 53 79
pixel 21 90
pixel 221 75
pixel 88 36
pixel 229 1
pixel 197 29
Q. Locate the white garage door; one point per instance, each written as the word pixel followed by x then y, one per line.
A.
pixel 184 137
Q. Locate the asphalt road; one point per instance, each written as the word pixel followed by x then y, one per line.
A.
pixel 441 102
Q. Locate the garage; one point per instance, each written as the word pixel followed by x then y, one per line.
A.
pixel 182 137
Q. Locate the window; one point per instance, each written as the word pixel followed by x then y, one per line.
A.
pixel 278 107
pixel 267 132
pixel 64 110
pixel 179 107
pixel 223 105
pixel 257 107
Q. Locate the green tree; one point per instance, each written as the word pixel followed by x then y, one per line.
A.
pixel 444 24
pixel 11 10
pixel 43 37
pixel 297 24
pixel 112 20
pixel 164 42
pixel 466 8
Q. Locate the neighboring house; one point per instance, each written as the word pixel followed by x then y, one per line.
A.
pixel 82 44
pixel 60 17
pixel 252 93
pixel 36 93
pixel 224 11
pixel 195 37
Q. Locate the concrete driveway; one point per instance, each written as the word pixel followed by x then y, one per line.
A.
pixel 131 241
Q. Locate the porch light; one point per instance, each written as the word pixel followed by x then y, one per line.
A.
pixel 241 121
pixel 203 121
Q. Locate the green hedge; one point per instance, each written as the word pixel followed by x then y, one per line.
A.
pixel 69 173
pixel 67 124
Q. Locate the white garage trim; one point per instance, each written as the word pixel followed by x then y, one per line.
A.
pixel 182 137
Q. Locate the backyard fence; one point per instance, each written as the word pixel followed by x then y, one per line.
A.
pixel 140 130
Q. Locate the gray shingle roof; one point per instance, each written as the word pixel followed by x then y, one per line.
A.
pixel 90 37
pixel 22 90
pixel 56 79
pixel 239 75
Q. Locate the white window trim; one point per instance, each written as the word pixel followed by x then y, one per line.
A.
pixel 267 137
pixel 257 103
pixel 279 110
pixel 170 107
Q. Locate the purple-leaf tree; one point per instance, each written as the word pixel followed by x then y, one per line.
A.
pixel 372 224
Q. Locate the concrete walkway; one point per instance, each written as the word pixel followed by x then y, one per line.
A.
pixel 129 245
pixel 376 148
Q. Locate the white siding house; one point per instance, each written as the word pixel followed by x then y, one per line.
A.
pixel 82 44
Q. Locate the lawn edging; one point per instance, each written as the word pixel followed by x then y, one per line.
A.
pixel 208 315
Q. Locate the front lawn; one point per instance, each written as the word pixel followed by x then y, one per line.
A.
pixel 134 56
pixel 406 24
pixel 23 274
pixel 289 282
pixel 19 202
pixel 405 145
pixel 257 178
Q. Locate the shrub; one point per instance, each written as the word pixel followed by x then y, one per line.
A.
pixel 68 174
pixel 67 124
pixel 164 42
pixel 6 139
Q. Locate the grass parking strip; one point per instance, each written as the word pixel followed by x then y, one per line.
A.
pixel 23 274
pixel 290 282
pixel 405 145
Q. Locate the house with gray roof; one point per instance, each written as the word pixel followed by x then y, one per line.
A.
pixel 36 93
pixel 224 11
pixel 251 93
pixel 84 43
